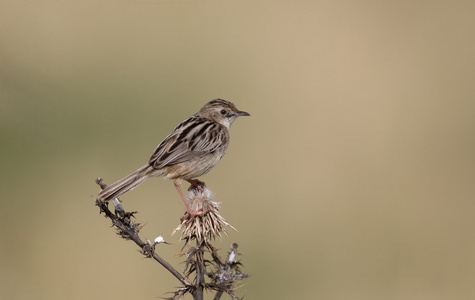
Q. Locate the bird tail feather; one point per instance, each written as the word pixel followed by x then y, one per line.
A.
pixel 127 183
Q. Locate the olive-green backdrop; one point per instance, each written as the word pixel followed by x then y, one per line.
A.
pixel 353 179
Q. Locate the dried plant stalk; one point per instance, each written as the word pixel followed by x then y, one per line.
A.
pixel 202 228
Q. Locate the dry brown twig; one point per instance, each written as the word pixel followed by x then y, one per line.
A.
pixel 202 229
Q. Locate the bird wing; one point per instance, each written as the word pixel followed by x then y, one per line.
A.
pixel 192 138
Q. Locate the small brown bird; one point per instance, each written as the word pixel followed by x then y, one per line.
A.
pixel 191 150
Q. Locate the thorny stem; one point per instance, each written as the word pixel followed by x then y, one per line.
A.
pixel 218 295
pixel 222 279
pixel 132 234
pixel 200 270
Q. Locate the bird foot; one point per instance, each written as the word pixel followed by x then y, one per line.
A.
pixel 196 184
pixel 191 215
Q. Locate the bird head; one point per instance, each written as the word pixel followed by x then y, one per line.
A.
pixel 221 111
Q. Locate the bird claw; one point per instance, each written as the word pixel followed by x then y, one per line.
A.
pixel 196 184
pixel 190 216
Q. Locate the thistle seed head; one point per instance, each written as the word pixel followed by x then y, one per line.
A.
pixel 208 223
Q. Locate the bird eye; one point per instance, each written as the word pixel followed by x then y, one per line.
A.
pixel 223 112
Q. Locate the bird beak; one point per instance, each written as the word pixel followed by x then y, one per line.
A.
pixel 241 113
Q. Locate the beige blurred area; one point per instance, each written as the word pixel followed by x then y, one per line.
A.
pixel 353 179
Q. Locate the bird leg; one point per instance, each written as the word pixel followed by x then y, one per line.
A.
pixel 195 183
pixel 190 214
pixel 188 208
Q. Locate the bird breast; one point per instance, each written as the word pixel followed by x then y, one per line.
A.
pixel 195 167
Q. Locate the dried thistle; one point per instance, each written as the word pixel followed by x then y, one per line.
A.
pixel 203 225
pixel 227 273
pixel 208 223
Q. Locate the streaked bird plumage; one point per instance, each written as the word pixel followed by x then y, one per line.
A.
pixel 189 151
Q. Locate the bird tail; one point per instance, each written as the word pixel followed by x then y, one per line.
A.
pixel 127 183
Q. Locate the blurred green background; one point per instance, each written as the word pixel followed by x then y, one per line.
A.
pixel 353 179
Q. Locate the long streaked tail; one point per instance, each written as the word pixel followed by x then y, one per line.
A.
pixel 127 183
